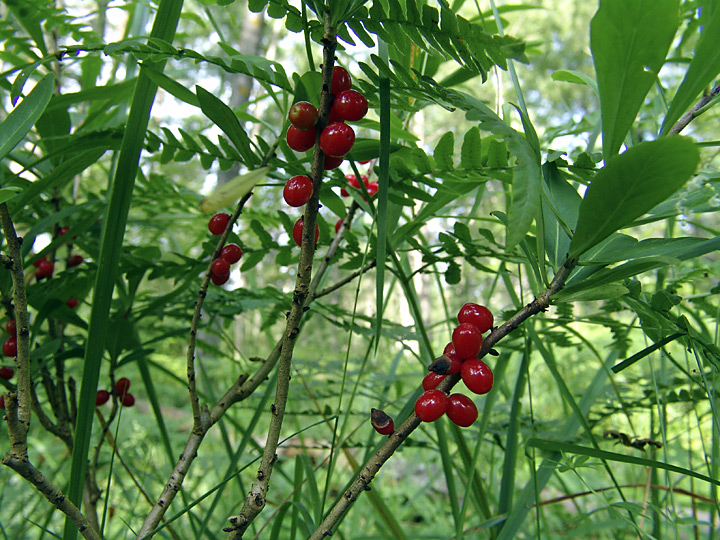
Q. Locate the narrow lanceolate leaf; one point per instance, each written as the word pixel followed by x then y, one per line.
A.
pixel 704 67
pixel 228 193
pixel 630 185
pixel 629 42
pixel 23 117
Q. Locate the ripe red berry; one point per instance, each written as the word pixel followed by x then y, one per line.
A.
pixel 122 385
pixel 6 373
pixel 461 410
pixel 382 423
pixel 102 397
pixel 331 163
pixel 372 188
pixel 299 140
pixel 128 400
pixel 71 302
pixel 350 105
pixel 45 269
pixel 75 260
pixel 431 380
pixel 337 139
pixel 298 231
pixel 2 402
pixel 467 340
pixel 455 360
pixel 38 261
pixel 63 231
pixel 218 223
pixel 220 280
pixel 303 115
pixel 353 181
pixel 338 224
pixel 431 405
pixel 298 190
pixel 341 80
pixel 231 253
pixel 477 315
pixel 11 327
pixel 10 346
pixel 477 376
pixel 220 267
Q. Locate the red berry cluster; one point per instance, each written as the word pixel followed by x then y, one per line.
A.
pixel 229 255
pixel 458 356
pixel 10 346
pixel 371 187
pixel 44 268
pixel 337 138
pixel 122 386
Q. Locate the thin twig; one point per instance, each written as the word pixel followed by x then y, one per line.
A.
pixel 696 111
pixel 373 465
pixel 344 281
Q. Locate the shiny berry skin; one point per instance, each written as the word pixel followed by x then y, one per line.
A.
pixel 431 405
pixel 431 380
pixel 128 400
pixel 455 360
pixel 298 190
pixel 350 105
pixel 11 327
pixel 45 269
pixel 71 302
pixel 231 253
pixel 6 373
pixel 461 410
pixel 372 188
pixel 299 140
pixel 331 163
pixel 63 231
pixel 10 346
pixel 337 139
pixel 382 423
pixel 477 376
pixel 303 115
pixel 220 280
pixel 341 80
pixel 37 262
pixel 75 260
pixel 338 224
pixel 477 315
pixel 102 397
pixel 353 181
pixel 218 223
pixel 122 385
pixel 220 267
pixel 298 231
pixel 467 340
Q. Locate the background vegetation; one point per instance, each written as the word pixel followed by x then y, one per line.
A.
pixel 525 161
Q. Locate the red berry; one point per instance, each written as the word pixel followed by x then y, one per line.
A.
pixel 45 269
pixel 2 402
pixel 364 162
pixel 333 116
pixel 341 80
pixel 350 105
pixel 10 346
pixel 372 188
pixel 467 340
pixel 71 302
pixel 331 163
pixel 220 267
pixel 382 423
pixel 220 280
pixel 102 397
pixel 63 231
pixel 128 400
pixel 461 410
pixel 479 316
pixel 431 380
pixel 75 260
pixel 122 385
pixel 337 139
pixel 477 376
pixel 6 373
pixel 303 115
pixel 38 261
pixel 231 253
pixel 455 360
pixel 11 327
pixel 298 231
pixel 298 190
pixel 299 140
pixel 431 405
pixel 218 223
pixel 353 181
pixel 338 224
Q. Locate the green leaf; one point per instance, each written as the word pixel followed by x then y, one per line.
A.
pixel 630 185
pixel 444 151
pixel 471 151
pixel 704 67
pixel 453 273
pixel 8 193
pixel 629 41
pixel 17 124
pixel 575 77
